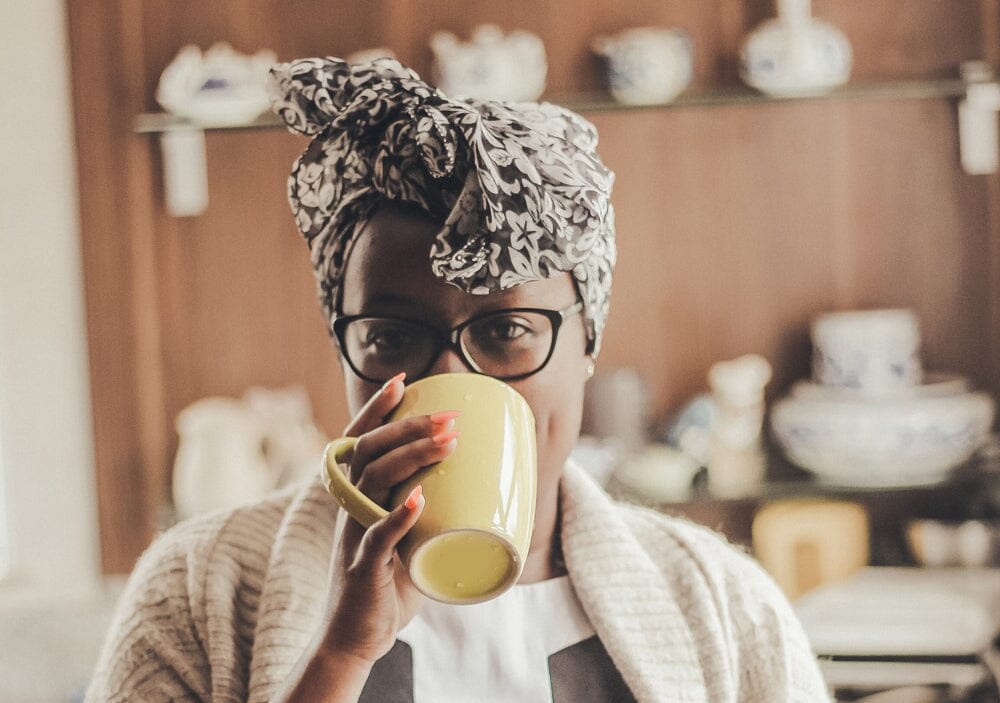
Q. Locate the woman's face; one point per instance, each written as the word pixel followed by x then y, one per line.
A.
pixel 388 273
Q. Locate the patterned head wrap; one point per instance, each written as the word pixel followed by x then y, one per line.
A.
pixel 519 186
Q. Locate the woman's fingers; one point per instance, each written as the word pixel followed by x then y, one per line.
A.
pixel 384 439
pixel 381 475
pixel 367 612
pixel 386 454
pixel 373 412
pixel 379 542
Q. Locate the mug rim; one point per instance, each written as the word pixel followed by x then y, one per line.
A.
pixel 515 567
pixel 465 376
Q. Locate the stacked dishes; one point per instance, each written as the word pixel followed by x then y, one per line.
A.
pixel 871 417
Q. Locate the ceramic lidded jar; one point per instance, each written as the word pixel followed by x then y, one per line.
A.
pixel 646 65
pixel 795 54
pixel 870 351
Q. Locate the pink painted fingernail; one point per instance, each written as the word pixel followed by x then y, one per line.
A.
pixel 444 416
pixel 395 379
pixel 442 438
pixel 413 499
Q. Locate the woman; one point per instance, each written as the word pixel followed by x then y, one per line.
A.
pixel 435 225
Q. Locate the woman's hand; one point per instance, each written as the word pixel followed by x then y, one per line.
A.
pixel 371 596
pixel 376 597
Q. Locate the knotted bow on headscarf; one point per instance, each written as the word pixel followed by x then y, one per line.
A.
pixel 519 186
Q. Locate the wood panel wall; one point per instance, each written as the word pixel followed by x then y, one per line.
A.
pixel 736 223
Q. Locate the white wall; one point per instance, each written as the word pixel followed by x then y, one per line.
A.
pixel 46 455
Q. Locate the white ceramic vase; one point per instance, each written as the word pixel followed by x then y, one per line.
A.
pixel 795 54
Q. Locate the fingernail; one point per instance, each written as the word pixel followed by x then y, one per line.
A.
pixel 443 438
pixel 443 416
pixel 445 426
pixel 395 379
pixel 414 498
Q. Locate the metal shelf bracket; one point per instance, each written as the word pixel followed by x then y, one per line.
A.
pixel 185 172
pixel 979 145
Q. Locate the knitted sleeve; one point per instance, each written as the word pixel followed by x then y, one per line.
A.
pixel 187 624
pixel 155 648
pixel 776 662
pixel 771 658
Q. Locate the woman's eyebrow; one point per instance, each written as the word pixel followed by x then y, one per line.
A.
pixel 395 305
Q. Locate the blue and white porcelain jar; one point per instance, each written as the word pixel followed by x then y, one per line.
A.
pixel 872 351
pixel 795 54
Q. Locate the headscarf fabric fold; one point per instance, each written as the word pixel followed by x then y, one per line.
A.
pixel 519 187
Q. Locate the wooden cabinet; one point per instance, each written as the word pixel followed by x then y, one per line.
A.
pixel 737 222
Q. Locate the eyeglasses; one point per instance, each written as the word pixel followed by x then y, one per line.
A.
pixel 508 344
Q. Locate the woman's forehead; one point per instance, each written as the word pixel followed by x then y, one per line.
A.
pixel 389 270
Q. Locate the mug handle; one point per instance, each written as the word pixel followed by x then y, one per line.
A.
pixel 360 507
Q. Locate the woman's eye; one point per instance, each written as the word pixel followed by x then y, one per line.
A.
pixel 388 339
pixel 507 329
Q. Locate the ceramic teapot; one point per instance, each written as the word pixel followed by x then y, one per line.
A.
pixel 492 66
pixel 646 65
pixel 795 54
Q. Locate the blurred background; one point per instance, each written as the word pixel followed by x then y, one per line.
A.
pixel 777 162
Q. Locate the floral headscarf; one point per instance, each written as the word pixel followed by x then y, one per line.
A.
pixel 519 186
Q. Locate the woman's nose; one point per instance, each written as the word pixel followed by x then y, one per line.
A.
pixel 448 361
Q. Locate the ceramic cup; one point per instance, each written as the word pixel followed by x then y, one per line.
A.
pixel 470 542
pixel 872 351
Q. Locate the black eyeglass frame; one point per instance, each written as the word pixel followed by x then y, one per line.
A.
pixel 450 338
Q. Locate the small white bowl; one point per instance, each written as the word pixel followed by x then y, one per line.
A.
pixel 937 543
pixel 658 473
pixel 882 442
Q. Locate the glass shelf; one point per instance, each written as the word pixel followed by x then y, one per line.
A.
pixel 184 149
pixel 788 481
pixel 159 122
pixel 738 95
pixel 162 122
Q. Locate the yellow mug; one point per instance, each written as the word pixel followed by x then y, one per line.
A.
pixel 470 542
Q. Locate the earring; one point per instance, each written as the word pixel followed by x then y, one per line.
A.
pixel 590 368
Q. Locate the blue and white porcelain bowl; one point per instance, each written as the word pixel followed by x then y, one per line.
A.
pixel 881 442
pixel 219 87
pixel 932 384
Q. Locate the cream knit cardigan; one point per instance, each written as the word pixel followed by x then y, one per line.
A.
pixel 221 608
